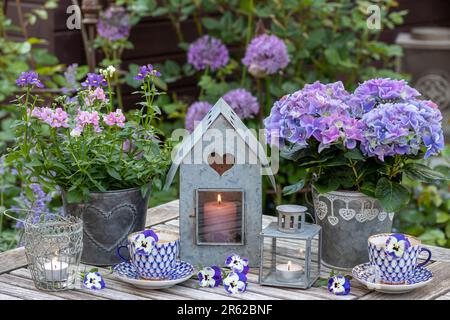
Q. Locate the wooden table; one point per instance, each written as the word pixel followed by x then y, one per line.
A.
pixel 16 282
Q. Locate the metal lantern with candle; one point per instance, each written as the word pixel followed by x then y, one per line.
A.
pixel 221 164
pixel 290 250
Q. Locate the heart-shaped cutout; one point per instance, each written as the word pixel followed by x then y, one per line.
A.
pixel 347 214
pixel 221 164
pixel 94 218
pixel 382 215
pixel 333 220
pixel 371 213
pixel 361 217
pixel 321 209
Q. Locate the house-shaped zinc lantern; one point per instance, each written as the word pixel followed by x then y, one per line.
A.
pixel 221 167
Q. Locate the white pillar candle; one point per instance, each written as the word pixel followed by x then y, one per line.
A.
pixel 289 272
pixel 56 270
pixel 219 221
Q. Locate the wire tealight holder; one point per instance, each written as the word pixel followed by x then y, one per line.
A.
pixel 53 245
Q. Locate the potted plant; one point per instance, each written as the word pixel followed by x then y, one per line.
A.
pixel 353 149
pixel 103 161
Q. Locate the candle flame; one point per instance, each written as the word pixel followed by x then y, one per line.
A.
pixel 289 266
pixel 219 198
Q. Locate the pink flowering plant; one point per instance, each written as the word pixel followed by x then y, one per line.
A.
pixel 363 141
pixel 85 144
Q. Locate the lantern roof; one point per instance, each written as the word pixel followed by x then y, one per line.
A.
pixel 221 108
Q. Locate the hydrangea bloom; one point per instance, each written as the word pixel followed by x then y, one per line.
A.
pixel 196 113
pixel 145 241
pixel 94 80
pixel 29 78
pixel 381 90
pixel 114 24
pixel 237 264
pixel 266 54
pixel 402 128
pixel 235 283
pixel 208 52
pixel 209 277
pixel 317 111
pixel 115 118
pixel 339 285
pixel 146 70
pixel 94 280
pixel 242 102
pixel 396 245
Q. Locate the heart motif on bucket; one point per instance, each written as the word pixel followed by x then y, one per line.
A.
pixel 371 213
pixel 347 214
pixel 95 219
pixel 321 209
pixel 382 215
pixel 333 220
pixel 221 164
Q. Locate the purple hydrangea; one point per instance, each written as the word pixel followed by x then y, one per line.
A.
pixel 208 52
pixel 196 113
pixel 243 103
pixel 29 78
pixel 94 80
pixel 114 24
pixel 317 111
pixel 266 54
pixel 403 129
pixel 373 92
pixel 146 70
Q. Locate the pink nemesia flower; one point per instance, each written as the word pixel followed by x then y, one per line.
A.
pixel 115 118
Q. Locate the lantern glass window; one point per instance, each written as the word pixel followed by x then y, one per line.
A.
pixel 290 259
pixel 220 217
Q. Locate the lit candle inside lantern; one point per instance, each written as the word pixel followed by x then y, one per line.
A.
pixel 220 223
pixel 56 270
pixel 289 272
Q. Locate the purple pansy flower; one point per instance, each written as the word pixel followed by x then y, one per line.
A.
pixel 94 80
pixel 237 264
pixel 339 285
pixel 235 283
pixel 266 54
pixel 145 241
pixel 29 78
pixel 113 24
pixel 146 70
pixel 94 280
pixel 210 277
pixel 208 52
pixel 396 244
pixel 196 112
pixel 243 103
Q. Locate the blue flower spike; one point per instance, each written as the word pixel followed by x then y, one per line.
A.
pixel 237 264
pixel 210 277
pixel 93 280
pixel 396 245
pixel 339 285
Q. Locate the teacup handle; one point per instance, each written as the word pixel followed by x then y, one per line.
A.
pixel 428 259
pixel 118 252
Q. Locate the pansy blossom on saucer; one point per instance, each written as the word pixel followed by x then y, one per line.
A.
pixel 396 245
pixel 145 241
pixel 237 264
pixel 339 285
pixel 235 283
pixel 93 280
pixel 209 277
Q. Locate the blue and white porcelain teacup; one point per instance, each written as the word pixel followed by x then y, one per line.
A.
pixel 153 255
pixel 394 256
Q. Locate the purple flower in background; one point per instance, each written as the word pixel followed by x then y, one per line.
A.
pixel 94 80
pixel 146 70
pixel 55 118
pixel 237 264
pixel 196 113
pixel 266 54
pixel 209 277
pixel 402 128
pixel 208 52
pixel 115 118
pixel 85 118
pixel 71 79
pixel 29 78
pixel 373 92
pixel 242 102
pixel 114 24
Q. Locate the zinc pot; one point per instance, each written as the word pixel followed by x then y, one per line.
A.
pixel 347 219
pixel 108 218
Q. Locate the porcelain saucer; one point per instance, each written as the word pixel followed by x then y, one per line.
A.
pixel 127 272
pixel 365 274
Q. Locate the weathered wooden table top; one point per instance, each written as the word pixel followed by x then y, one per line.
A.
pixel 16 282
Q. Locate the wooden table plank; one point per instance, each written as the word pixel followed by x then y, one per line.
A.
pixel 444 297
pixel 26 294
pixel 162 213
pixel 7 297
pixel 12 259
